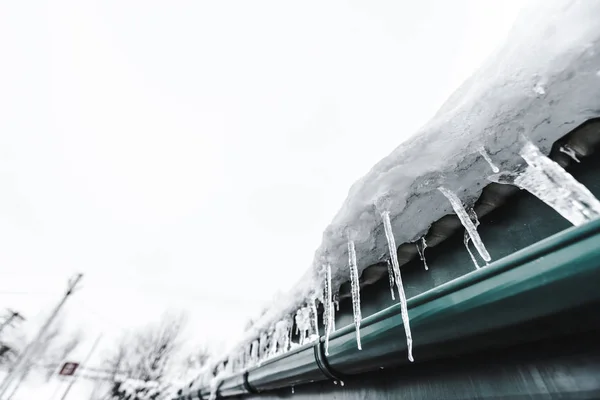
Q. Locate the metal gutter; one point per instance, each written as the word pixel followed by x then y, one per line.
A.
pixel 482 309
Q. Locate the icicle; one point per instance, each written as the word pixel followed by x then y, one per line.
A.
pixel 342 383
pixel 336 301
pixel 475 221
pixel 328 307
pixel 314 318
pixel 355 290
pixel 549 182
pixel 332 317
pixel 303 324
pixel 389 234
pixel 466 221
pixel 273 345
pixel 280 339
pixel 466 241
pixel 391 277
pixel 263 347
pixel 254 352
pixel 293 391
pixel 487 158
pixel 421 251
pixel 568 151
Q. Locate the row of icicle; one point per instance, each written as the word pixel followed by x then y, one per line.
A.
pixel 542 177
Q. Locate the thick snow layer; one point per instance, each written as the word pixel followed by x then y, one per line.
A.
pixel 542 83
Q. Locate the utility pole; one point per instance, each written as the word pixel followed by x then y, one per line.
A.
pixel 20 369
pixel 9 320
pixel 85 362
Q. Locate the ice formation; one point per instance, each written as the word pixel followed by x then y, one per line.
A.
pixel 549 182
pixel 487 158
pixel 280 338
pixel 328 316
pixel 391 277
pixel 421 251
pixel 568 151
pixel 490 109
pixel 389 234
pixel 263 347
pixel 355 290
pixel 314 318
pixel 475 221
pixel 254 352
pixel 303 324
pixel 466 221
pixel 282 335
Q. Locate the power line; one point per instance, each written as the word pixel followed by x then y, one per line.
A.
pixel 19 370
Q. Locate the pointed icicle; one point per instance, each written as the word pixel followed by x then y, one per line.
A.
pixel 568 151
pixel 466 221
pixel 314 319
pixel 475 221
pixel 391 277
pixel 332 317
pixel 355 290
pixel 336 301
pixel 550 183
pixel 421 251
pixel 389 234
pixel 328 307
pixel 487 158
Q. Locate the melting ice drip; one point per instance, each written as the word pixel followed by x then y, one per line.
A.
pixel 487 158
pixel 475 221
pixel 466 221
pixel 549 182
pixel 328 315
pixel 389 234
pixel 421 251
pixel 355 290
pixel 391 277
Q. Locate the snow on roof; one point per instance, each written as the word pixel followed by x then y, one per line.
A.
pixel 541 83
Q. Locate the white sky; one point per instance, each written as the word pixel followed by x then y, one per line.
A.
pixel 189 154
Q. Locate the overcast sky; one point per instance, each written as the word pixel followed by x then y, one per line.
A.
pixel 189 154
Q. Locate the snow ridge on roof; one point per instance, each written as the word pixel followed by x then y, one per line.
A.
pixel 541 83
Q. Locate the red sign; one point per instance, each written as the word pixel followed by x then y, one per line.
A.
pixel 68 369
